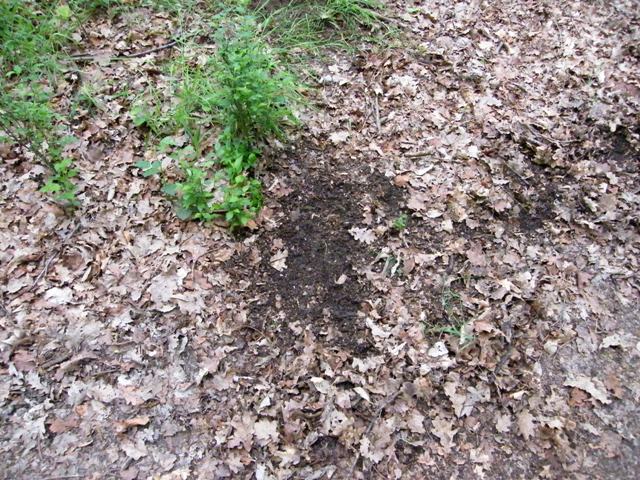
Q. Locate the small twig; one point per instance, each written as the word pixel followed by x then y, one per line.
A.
pixel 376 111
pixel 83 57
pixel 62 477
pixel 417 154
pixel 373 420
pixel 45 269
pixel 54 362
pixel 53 256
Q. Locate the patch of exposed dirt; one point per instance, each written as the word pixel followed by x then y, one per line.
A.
pixel 320 285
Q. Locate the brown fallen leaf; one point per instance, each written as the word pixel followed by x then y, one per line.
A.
pixel 526 425
pixel 124 425
pixel 59 425
pixel 592 386
pixel 401 180
pixel 577 397
pixel 613 385
pixel 443 429
pixel 503 423
pixel 279 260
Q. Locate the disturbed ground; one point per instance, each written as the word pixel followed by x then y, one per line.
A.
pixel 496 336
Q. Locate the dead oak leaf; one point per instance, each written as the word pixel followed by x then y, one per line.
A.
pixel 135 450
pixel 61 426
pixel 415 422
pixel 59 296
pixel 279 260
pixel 503 423
pixel 457 400
pixel 243 432
pixel 339 137
pixel 592 386
pixel 443 429
pixel 163 287
pixel 124 425
pixel 363 235
pixel 476 256
pixel 526 425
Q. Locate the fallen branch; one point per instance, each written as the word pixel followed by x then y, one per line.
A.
pixel 84 57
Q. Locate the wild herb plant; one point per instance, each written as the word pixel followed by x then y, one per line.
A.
pixel 243 91
pixel 60 184
pixel 254 96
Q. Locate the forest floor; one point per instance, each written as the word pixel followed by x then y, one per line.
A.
pixel 496 335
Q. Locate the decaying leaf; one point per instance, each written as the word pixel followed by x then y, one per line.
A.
pixel 590 385
pixel 526 425
pixel 279 260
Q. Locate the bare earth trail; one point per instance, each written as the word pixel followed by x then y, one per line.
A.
pixel 496 336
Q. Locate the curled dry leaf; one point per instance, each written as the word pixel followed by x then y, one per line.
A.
pixel 279 260
pixel 123 425
pixel 592 386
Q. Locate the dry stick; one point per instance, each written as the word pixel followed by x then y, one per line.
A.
pixel 376 110
pixel 53 256
pixel 90 57
pixel 384 405
pixel 45 269
pixel 417 154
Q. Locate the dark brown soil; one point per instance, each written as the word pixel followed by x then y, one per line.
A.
pixel 317 217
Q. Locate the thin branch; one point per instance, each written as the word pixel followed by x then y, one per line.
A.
pixel 417 154
pixel 84 57
pixel 373 420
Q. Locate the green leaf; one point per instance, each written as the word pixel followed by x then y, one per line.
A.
pixel 64 12
pixel 170 189
pixel 148 168
pixel 166 142
pixel 50 187
pixel 183 213
pixel 139 116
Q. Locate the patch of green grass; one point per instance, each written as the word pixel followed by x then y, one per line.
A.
pixel 311 26
pixel 352 13
pixel 32 35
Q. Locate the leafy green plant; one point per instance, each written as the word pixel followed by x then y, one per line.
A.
pixel 400 223
pixel 60 183
pixel 229 192
pixel 244 91
pixel 254 98
pixel 194 194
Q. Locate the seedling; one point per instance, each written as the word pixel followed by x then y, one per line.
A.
pixel 60 184
pixel 400 223
pixel 451 303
